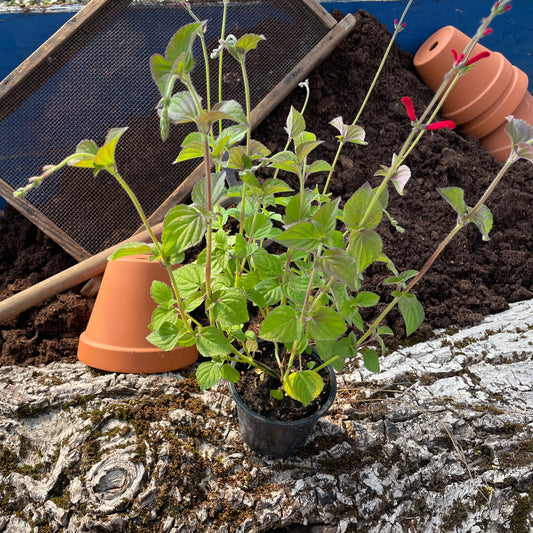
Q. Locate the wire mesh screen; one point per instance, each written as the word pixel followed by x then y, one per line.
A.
pixel 105 82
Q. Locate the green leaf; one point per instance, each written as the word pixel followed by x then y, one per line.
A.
pixel 318 166
pixel 242 249
pixel 355 134
pixel 371 360
pixel 325 324
pixel 163 314
pixel 89 149
pixel 161 293
pixel 285 161
pixel 218 190
pixel 455 197
pixel 349 133
pixel 276 394
pixel 230 373
pixel 519 131
pixel 165 337
pixel 304 386
pixel 160 68
pixel 281 325
pixel 105 157
pixel 208 374
pixel 366 248
pixel 192 150
pixel 295 123
pixel 305 148
pixel 326 216
pixel 230 308
pixel 183 227
pixel 189 279
pixel 298 208
pixel 412 312
pixel 181 44
pixel 274 186
pixel 226 110
pixel 339 264
pixel 357 206
pixel 261 229
pixel 270 289
pixel 296 288
pixel 269 265
pixel 247 42
pixel 182 108
pixel 483 220
pixel 131 248
pixel 342 349
pixel 211 341
pixel 301 236
pixel 366 299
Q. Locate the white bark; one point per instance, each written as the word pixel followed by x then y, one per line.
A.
pixel 440 440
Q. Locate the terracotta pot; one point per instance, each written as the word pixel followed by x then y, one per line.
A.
pixel 476 91
pixel 506 105
pixel 483 97
pixel 115 338
pixel 498 142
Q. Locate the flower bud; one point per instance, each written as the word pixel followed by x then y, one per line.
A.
pixel 477 57
pixel 441 125
pixel 408 103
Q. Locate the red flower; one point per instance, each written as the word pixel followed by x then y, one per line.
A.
pixel 408 103
pixel 441 125
pixel 457 57
pixel 488 31
pixel 477 57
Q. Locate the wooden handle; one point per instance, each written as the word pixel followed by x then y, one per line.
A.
pixel 66 279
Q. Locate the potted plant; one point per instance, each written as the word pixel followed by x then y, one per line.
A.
pixel 278 265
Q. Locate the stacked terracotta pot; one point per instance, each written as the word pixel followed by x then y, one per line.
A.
pixel 481 98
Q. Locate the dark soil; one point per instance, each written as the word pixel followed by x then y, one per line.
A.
pixel 254 390
pixel 471 279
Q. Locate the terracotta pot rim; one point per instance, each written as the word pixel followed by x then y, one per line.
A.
pixel 493 117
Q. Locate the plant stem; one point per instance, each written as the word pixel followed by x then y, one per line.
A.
pixel 209 233
pixel 157 244
pixel 460 223
pixel 220 57
pixel 398 28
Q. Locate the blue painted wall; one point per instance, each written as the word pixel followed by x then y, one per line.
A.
pixel 20 35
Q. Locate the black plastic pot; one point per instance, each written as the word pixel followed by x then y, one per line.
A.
pixel 279 438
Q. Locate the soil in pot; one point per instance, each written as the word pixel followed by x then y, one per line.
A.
pixel 471 279
pixel 254 390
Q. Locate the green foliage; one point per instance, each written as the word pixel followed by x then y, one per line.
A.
pixel 309 293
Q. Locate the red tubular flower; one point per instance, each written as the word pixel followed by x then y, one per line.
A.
pixel 441 125
pixel 488 31
pixel 408 103
pixel 477 57
pixel 508 7
pixel 457 57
